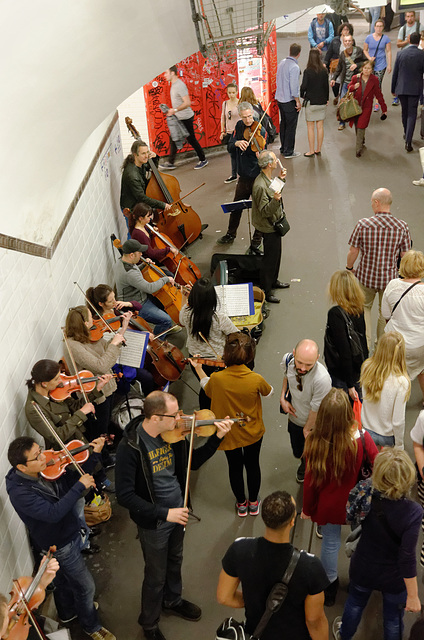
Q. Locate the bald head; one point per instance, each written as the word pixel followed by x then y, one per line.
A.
pixel 382 198
pixel 306 355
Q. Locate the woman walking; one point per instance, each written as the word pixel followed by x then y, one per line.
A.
pixel 385 388
pixel 365 87
pixel 334 451
pixel 378 49
pixel 314 91
pixel 229 118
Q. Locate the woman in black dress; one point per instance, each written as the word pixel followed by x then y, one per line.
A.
pixel 314 91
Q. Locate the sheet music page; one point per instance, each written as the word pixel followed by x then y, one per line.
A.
pixel 133 354
pixel 236 299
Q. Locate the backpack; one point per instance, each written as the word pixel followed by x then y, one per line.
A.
pixel 417 30
pixel 267 123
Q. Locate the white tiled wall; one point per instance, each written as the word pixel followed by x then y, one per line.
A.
pixel 35 297
pixel 135 108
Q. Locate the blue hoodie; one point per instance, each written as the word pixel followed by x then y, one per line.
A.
pixel 48 515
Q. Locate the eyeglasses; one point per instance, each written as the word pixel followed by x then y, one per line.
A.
pixel 37 457
pixel 168 415
pixel 299 381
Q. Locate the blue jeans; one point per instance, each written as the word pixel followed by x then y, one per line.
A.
pixel 163 555
pixel 381 441
pixel 150 312
pixel 343 92
pixel 375 14
pixel 393 610
pixel 330 549
pixel 75 587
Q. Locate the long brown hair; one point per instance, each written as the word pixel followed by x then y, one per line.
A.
pixel 75 324
pixel 140 211
pixel 247 95
pixel 345 291
pixel 330 450
pixel 314 61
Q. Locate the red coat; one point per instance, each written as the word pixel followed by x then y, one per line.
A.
pixel 328 503
pixel 372 90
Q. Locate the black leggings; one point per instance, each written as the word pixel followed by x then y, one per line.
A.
pixel 247 457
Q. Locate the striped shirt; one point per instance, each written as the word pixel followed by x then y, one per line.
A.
pixel 380 240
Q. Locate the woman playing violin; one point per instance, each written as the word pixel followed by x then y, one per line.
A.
pixel 232 390
pixel 142 215
pixel 200 316
pixel 103 300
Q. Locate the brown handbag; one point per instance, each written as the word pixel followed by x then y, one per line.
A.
pixel 95 514
pixel 348 107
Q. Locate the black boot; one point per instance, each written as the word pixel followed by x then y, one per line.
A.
pixel 330 593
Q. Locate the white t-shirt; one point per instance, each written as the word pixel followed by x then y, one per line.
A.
pixel 387 417
pixel 178 91
pixel 315 386
pixel 408 317
pixel 417 432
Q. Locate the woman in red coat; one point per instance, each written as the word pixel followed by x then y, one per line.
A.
pixel 333 455
pixel 365 87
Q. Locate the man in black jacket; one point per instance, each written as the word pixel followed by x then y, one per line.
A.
pixel 407 84
pixel 150 479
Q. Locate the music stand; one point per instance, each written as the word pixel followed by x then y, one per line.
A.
pixel 240 205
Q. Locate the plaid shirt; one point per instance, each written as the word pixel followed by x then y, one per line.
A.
pixel 380 239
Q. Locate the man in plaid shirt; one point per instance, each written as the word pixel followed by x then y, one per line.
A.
pixel 380 239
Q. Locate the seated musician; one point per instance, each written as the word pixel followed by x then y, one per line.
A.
pixel 142 215
pixel 131 285
pixel 135 178
pixel 68 417
pixel 47 577
pixel 200 316
pixel 48 511
pixel 103 300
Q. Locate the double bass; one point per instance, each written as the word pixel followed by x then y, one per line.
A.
pixel 181 224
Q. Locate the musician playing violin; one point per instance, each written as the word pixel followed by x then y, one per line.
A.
pixel 142 215
pixel 47 577
pixel 135 178
pixel 131 285
pixel 150 481
pixel 48 511
pixel 247 169
pixel 103 300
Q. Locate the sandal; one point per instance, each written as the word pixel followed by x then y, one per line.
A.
pixel 317 153
pixel 309 155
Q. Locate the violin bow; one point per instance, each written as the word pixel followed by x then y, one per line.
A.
pixel 57 437
pixel 259 122
pixel 75 369
pixel 190 457
pixel 209 345
pixel 93 308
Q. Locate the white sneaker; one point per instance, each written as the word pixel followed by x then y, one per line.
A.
pixel 418 183
pixel 336 628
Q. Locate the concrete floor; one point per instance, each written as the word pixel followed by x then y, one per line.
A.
pixel 324 198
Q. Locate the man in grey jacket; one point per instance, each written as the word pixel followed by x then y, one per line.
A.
pixel 131 285
pixel 267 209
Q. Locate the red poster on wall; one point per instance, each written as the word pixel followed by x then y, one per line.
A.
pixel 206 80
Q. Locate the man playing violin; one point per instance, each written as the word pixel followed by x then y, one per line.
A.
pixel 48 511
pixel 135 178
pixel 247 169
pixel 47 577
pixel 131 285
pixel 150 479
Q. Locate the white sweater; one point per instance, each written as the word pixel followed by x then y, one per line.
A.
pixel 387 417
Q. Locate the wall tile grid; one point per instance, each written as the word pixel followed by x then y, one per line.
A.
pixel 36 295
pixel 135 108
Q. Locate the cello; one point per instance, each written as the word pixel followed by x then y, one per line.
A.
pixel 184 270
pixel 182 224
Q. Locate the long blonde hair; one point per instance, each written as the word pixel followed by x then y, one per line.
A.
pixel 330 450
pixel 387 359
pixel 345 291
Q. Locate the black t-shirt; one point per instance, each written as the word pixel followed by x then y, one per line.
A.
pixel 259 564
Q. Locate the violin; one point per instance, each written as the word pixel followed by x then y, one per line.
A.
pixel 253 135
pixel 57 461
pixel 182 224
pixel 69 384
pixel 210 362
pixel 26 595
pixel 113 323
pixel 204 425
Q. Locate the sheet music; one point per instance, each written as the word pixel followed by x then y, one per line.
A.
pixel 236 299
pixel 134 353
pixel 277 185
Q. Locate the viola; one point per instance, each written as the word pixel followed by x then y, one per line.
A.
pixel 69 384
pixel 26 596
pixel 113 323
pixel 182 223
pixel 57 461
pixel 184 270
pixel 253 135
pixel 210 362
pixel 204 425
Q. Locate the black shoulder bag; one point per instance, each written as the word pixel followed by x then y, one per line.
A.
pixel 230 629
pixel 404 294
